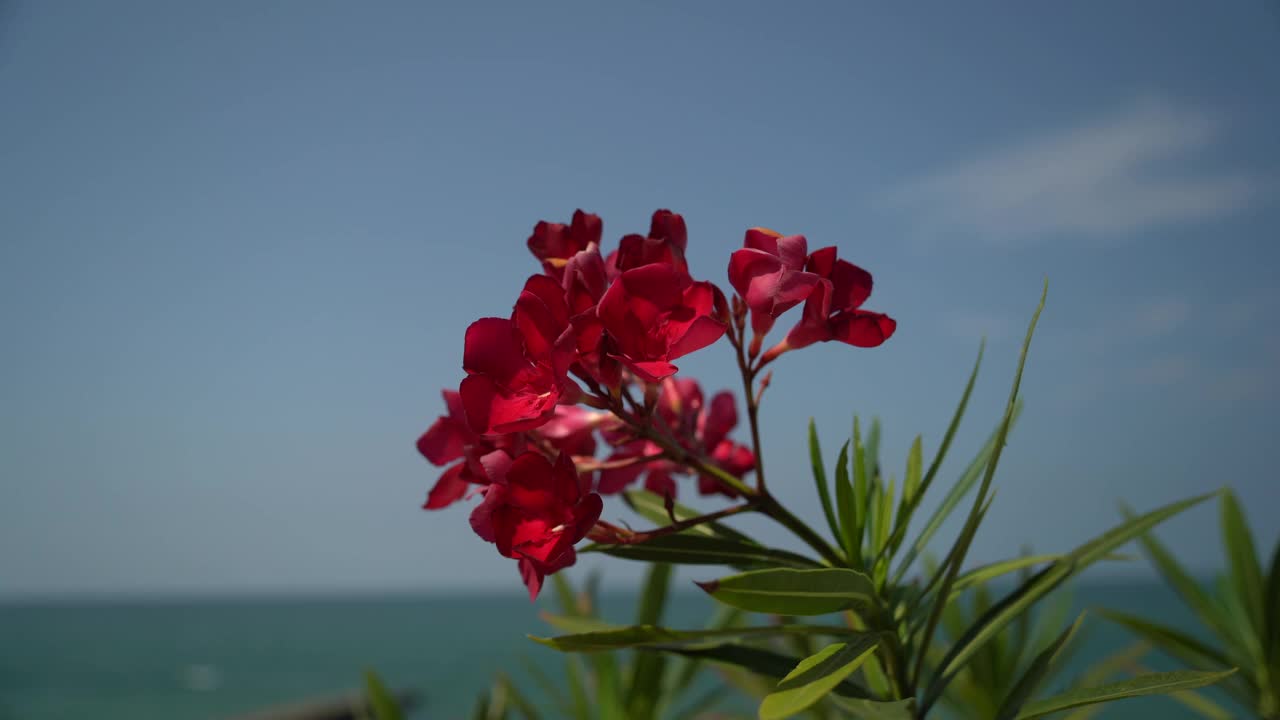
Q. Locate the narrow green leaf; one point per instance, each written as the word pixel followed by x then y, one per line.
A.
pixel 653 508
pixel 762 662
pixel 1173 642
pixel 550 689
pixel 1035 674
pixel 814 677
pixel 911 481
pixel 576 623
pixel 646 675
pixel 872 456
pixel 957 493
pixel 794 592
pixel 985 573
pixel 884 516
pixel 1150 684
pixel 846 506
pixel 1273 610
pixel 875 709
pixel 1043 582
pixel 703 550
pixel 566 598
pixel 381 702
pixel 947 437
pixel 960 549
pixel 577 689
pixel 861 485
pixel 1242 560
pixel 652 636
pixel 518 699
pixel 820 479
pixel 1176 577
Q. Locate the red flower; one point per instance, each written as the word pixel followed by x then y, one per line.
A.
pixel 701 428
pixel 833 311
pixel 656 314
pixel 555 243
pixel 666 243
pixel 517 369
pixel 450 438
pixel 535 511
pixel 769 274
pixel 572 430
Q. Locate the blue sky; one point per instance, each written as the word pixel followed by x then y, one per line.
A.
pixel 240 242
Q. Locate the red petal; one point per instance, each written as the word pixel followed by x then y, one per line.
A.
pixel 852 286
pixel 442 443
pixel 448 489
pixel 531 576
pixel 704 331
pixel 669 226
pixel 793 250
pixel 720 418
pixel 492 348
pixel 862 329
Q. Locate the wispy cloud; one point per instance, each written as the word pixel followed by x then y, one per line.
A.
pixel 1107 177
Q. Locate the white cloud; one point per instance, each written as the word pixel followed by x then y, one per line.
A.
pixel 1104 178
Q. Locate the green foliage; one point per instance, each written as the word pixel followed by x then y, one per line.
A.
pixel 1241 615
pixel 646 685
pixel 381 703
pixel 908 642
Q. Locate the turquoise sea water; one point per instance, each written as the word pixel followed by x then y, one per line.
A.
pixel 202 659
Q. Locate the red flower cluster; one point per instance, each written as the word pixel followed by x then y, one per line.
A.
pixel 773 274
pixel 587 331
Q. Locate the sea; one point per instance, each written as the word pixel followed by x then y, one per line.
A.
pixel 213 658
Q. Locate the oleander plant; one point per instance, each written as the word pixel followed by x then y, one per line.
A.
pixel 575 395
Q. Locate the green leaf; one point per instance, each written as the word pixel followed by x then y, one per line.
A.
pixel 957 493
pixel 565 595
pixel 1242 560
pixel 872 456
pixel 576 624
pixel 985 573
pixel 550 689
pixel 815 677
pixel 1273 610
pixel 861 485
pixel 577 690
pixel 1173 642
pixel 820 479
pixel 875 709
pixel 1036 674
pixel 517 698
pixel 1045 581
pixel 762 662
pixel 1150 684
pixel 900 532
pixel 381 702
pixel 653 508
pixel 911 481
pixel 652 636
pixel 1179 579
pixel 884 516
pixel 702 550
pixel 794 592
pixel 646 677
pixel 846 505
pixel 961 547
